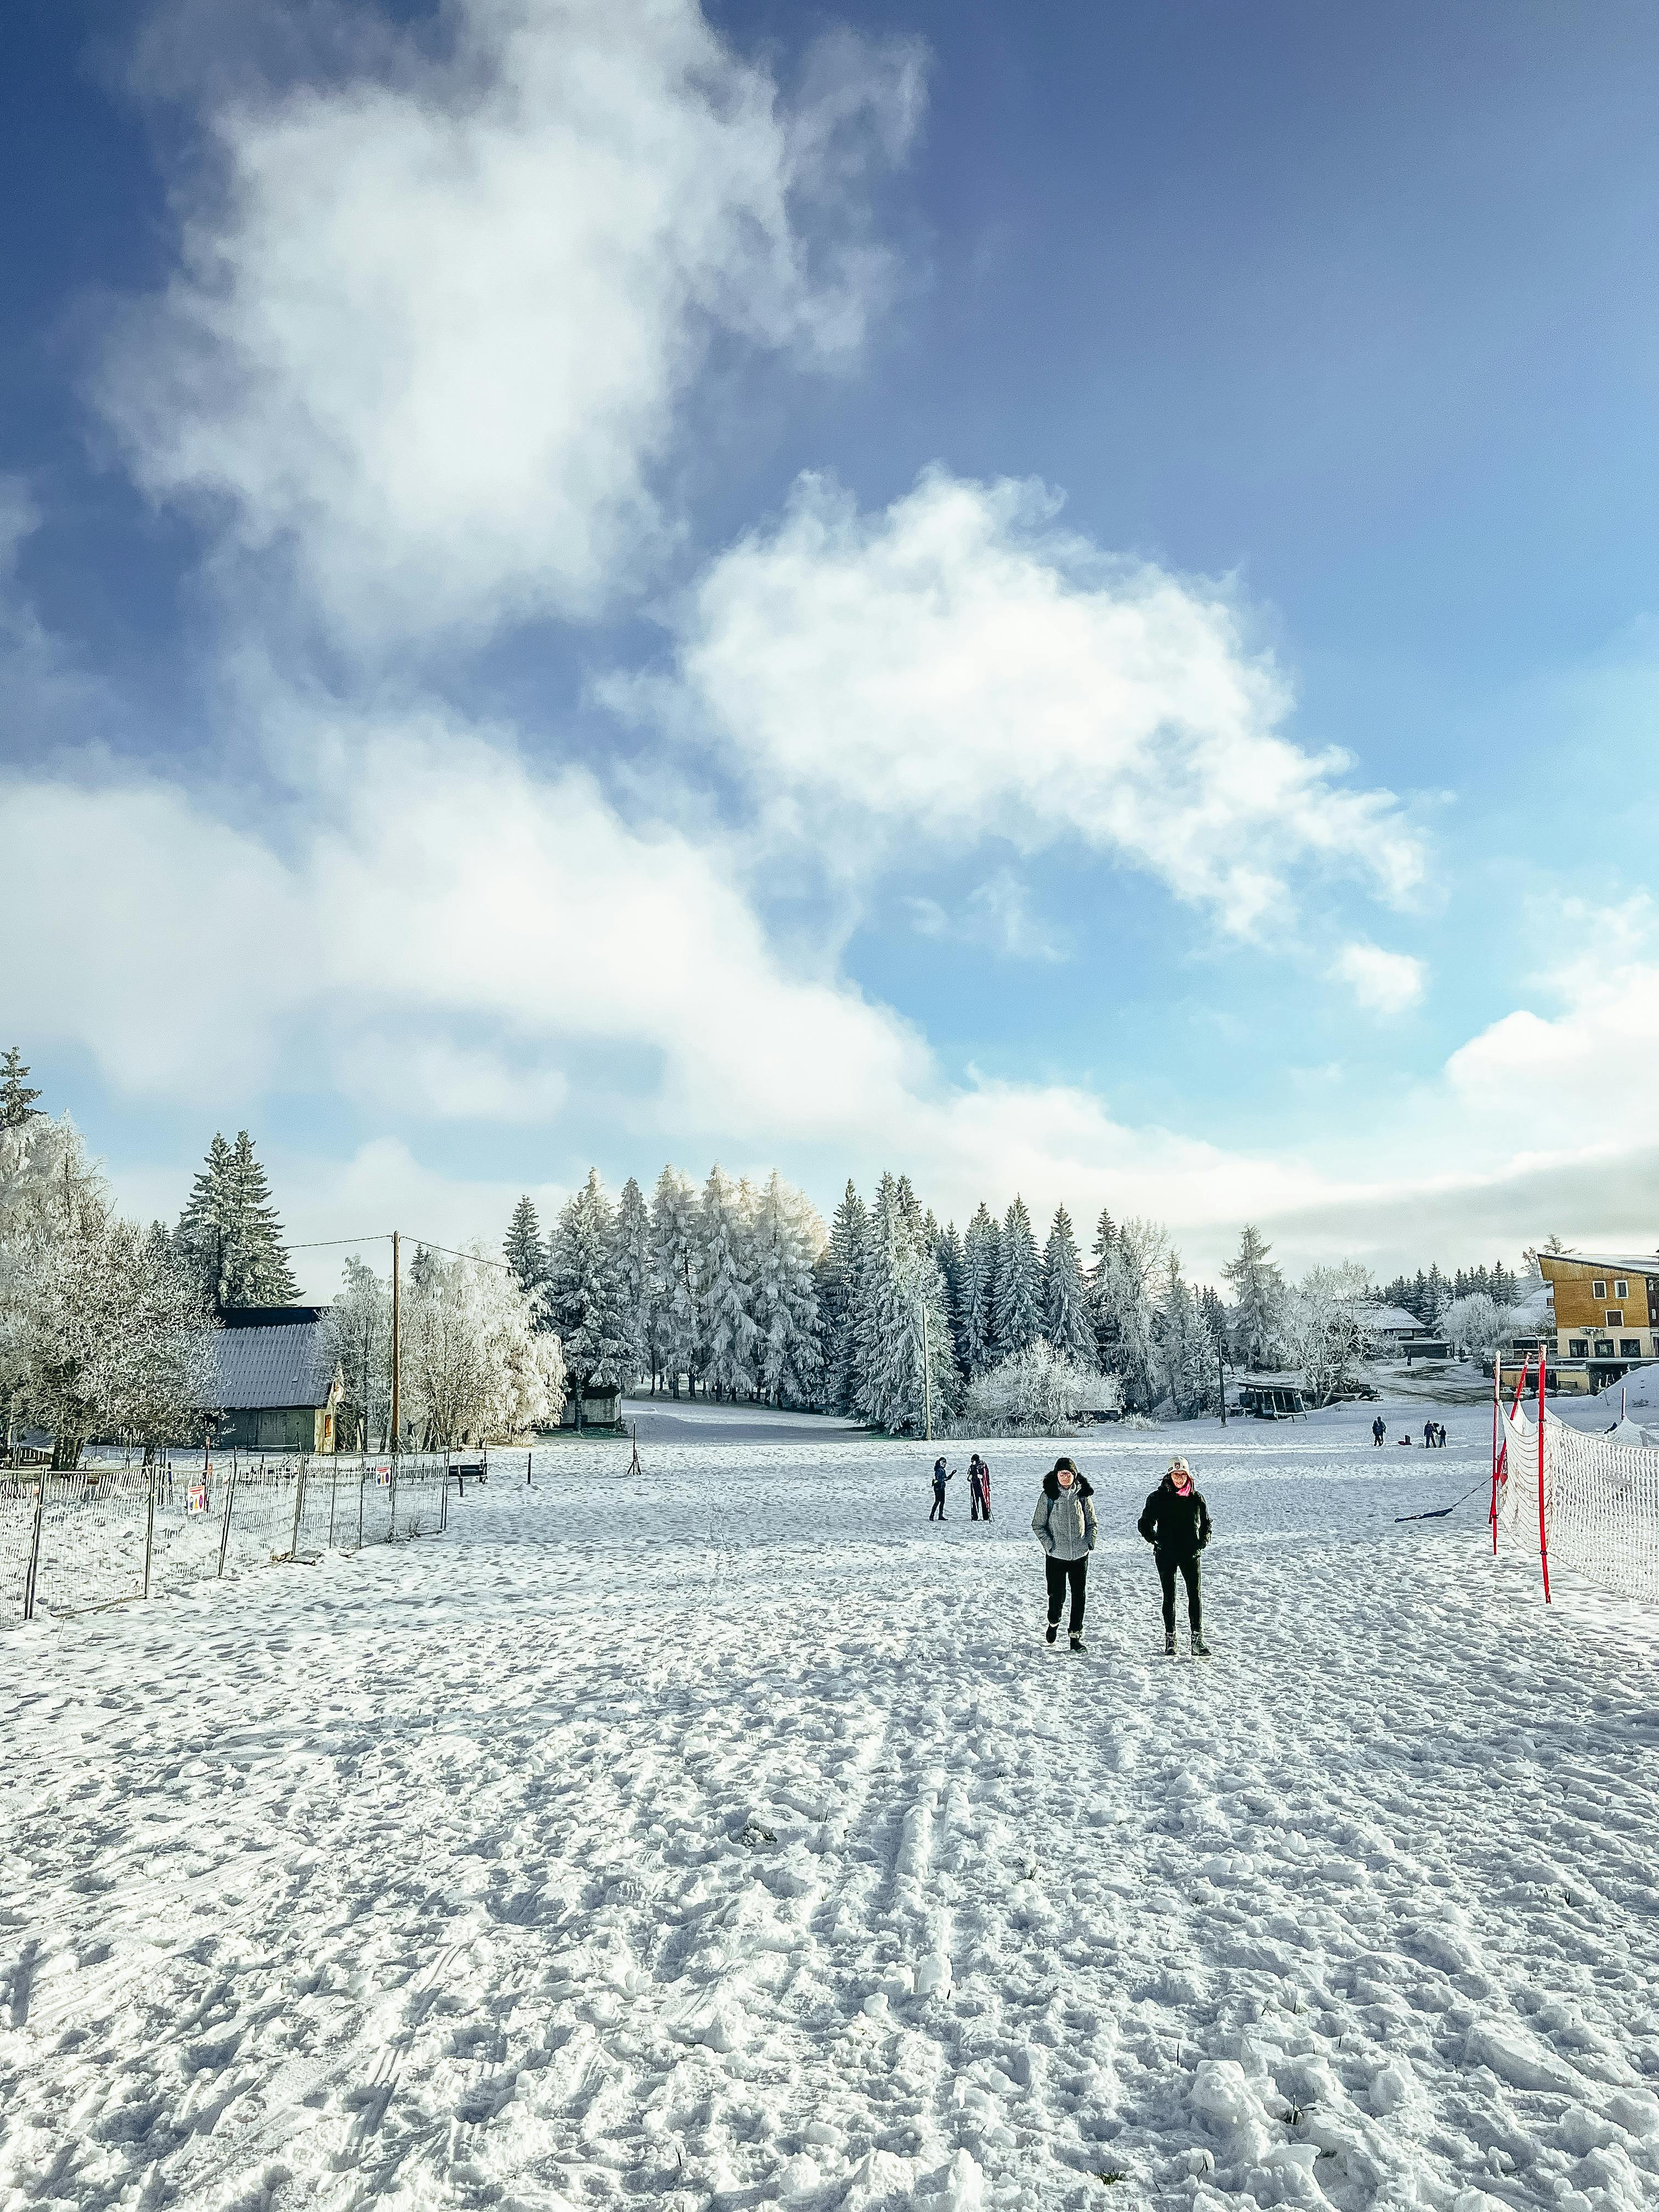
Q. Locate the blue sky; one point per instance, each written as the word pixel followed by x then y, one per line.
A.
pixel 607 583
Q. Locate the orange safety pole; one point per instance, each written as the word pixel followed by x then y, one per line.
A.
pixel 1543 1531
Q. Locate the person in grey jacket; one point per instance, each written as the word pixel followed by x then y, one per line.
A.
pixel 1064 1524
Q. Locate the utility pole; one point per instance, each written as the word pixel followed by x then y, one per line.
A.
pixel 1221 1377
pixel 397 1349
pixel 927 1380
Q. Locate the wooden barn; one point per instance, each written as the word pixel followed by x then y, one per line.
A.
pixel 277 1382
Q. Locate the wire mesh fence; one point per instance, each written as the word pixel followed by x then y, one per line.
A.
pixel 1600 1514
pixel 74 1542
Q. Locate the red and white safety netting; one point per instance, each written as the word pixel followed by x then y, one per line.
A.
pixel 1600 1515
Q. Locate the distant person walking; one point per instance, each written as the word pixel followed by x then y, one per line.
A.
pixel 1176 1522
pixel 1428 1435
pixel 940 1478
pixel 1064 1524
pixel 1379 1430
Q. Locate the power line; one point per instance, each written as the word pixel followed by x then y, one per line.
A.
pixel 384 1237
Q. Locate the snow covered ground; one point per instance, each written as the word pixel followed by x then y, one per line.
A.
pixel 728 1836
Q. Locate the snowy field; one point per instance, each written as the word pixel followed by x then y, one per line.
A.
pixel 729 1836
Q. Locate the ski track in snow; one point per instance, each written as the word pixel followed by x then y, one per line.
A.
pixel 728 1835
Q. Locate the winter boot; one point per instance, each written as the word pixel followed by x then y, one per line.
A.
pixel 1169 1644
pixel 1200 1649
pixel 1053 1631
pixel 1078 1644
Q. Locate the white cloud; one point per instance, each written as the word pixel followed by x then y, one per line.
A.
pixel 954 668
pixel 995 913
pixel 1583 1079
pixel 1385 983
pixel 433 335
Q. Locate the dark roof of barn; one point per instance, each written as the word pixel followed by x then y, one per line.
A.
pixel 258 1369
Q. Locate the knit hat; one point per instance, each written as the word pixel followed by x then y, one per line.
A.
pixel 1179 1466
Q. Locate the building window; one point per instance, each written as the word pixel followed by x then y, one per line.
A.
pixel 1615 1317
pixel 1598 1290
pixel 1630 1347
pixel 1621 1288
pixel 1604 1347
pixel 1577 1348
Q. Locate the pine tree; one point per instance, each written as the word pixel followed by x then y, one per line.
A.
pixel 1187 1361
pixel 980 1251
pixel 675 1340
pixel 905 1364
pixel 229 1234
pixel 1018 1301
pixel 786 1239
pixel 1126 1289
pixel 16 1098
pixel 726 1324
pixel 583 1296
pixel 1106 1343
pixel 631 1262
pixel 1066 1321
pixel 952 1262
pixel 1418 1300
pixel 1258 1299
pixel 840 1278
pixel 1437 1295
pixel 523 1248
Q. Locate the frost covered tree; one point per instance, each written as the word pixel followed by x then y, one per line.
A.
pixel 1018 1297
pixel 1126 1301
pixel 522 1247
pixel 229 1234
pixel 1187 1358
pixel 675 1336
pixel 841 1280
pixel 905 1355
pixel 947 1248
pixel 359 1331
pixel 980 1251
pixel 476 1368
pixel 102 1330
pixel 1066 1321
pixel 1258 1290
pixel 726 1326
pixel 1329 1330
pixel 1034 1393
pixel 583 1297
pixel 1479 1327
pixel 635 1282
pixel 16 1097
pixel 785 1242
pixel 1104 1325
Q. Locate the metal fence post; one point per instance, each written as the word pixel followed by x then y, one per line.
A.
pixel 298 1507
pixel 224 1533
pixel 333 1493
pixel 149 1527
pixel 362 1479
pixel 392 1505
pixel 29 1580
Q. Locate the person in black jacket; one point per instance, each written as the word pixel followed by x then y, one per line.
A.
pixel 1176 1524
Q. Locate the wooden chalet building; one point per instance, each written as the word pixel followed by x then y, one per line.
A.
pixel 1607 1315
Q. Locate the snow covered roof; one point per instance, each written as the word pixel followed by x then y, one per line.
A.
pixel 1642 1263
pixel 258 1369
pixel 1392 1320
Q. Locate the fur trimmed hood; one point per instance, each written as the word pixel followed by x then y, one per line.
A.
pixel 1080 1483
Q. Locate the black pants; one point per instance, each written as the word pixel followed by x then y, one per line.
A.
pixel 1059 1573
pixel 1170 1565
pixel 981 1507
pixel 938 1513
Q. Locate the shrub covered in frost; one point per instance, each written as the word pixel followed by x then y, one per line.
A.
pixel 1034 1393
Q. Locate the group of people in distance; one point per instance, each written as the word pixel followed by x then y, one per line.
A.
pixel 1434 1434
pixel 979 1488
pixel 1174 1521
